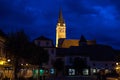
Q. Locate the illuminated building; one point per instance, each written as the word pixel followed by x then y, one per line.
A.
pixel 61 40
pixel 60 29
pixel 96 57
pixel 5 67
pixel 67 43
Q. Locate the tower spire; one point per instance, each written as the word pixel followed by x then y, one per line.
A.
pixel 60 18
pixel 60 29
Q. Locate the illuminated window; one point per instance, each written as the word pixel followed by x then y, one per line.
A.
pixel 94 70
pixel 71 72
pixel 52 71
pixel 98 70
pixel 85 72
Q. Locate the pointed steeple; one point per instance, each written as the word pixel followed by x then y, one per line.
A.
pixel 60 29
pixel 82 41
pixel 60 18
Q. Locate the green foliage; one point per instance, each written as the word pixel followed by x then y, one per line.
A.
pixel 19 45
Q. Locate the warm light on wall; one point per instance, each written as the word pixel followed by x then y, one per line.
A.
pixel 2 62
pixel 117 67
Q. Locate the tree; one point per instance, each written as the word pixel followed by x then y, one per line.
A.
pixel 16 44
pixel 2 34
pixel 37 56
pixel 19 46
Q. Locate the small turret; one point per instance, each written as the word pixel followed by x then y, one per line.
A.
pixel 82 41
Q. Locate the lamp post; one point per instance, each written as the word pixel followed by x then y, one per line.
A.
pixel 8 60
pixel 117 68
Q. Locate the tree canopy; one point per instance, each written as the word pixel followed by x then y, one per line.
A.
pixel 19 45
pixel 16 43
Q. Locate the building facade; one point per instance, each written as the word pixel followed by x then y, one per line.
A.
pixel 60 29
pixel 96 57
pixel 61 40
pixel 48 45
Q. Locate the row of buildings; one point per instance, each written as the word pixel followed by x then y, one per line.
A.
pixel 96 56
pixel 73 52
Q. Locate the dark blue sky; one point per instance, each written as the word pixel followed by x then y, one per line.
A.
pixel 95 19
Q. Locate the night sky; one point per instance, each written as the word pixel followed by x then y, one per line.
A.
pixel 95 19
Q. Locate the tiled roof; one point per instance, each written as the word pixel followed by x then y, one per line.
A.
pixel 95 52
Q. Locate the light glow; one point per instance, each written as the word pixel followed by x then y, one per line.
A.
pixel 2 62
pixel 8 60
pixel 116 63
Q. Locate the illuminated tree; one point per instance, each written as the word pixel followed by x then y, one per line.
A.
pixel 16 45
pixel 19 46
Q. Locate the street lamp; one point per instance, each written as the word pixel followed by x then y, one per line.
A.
pixel 8 60
pixel 117 68
pixel 117 63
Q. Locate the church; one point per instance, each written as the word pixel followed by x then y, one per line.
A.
pixel 94 56
pixel 61 40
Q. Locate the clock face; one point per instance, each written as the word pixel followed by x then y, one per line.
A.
pixel 61 30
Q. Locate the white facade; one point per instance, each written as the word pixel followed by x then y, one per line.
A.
pixel 94 65
pixel 69 59
pixel 47 44
pixel 44 43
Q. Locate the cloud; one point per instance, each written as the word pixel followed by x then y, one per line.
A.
pixel 98 19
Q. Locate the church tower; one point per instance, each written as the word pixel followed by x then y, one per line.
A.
pixel 60 28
